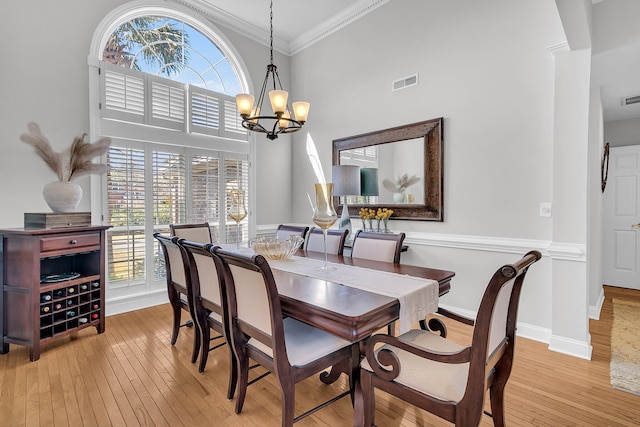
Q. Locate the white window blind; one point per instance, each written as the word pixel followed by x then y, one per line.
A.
pixel 205 112
pixel 169 188
pixel 236 177
pixel 126 214
pixel 205 191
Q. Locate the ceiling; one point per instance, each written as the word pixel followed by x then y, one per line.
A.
pixel 299 23
pixel 296 23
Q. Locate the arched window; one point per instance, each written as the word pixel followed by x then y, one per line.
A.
pixel 166 86
pixel 173 49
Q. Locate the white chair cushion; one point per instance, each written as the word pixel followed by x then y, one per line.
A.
pixel 304 343
pixel 316 243
pixel 440 380
pixel 374 249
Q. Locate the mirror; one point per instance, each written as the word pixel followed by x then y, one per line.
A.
pixel 406 164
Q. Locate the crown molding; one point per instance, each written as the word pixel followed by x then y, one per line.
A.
pixel 558 49
pixel 334 24
pixel 220 17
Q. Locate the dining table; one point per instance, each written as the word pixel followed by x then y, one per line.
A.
pixel 346 311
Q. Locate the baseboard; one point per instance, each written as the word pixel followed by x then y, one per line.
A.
pixel 594 310
pixel 571 347
pixel 135 302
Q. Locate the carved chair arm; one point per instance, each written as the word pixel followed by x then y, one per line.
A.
pixel 386 357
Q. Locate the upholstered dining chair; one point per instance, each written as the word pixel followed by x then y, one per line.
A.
pixel 377 246
pixel 442 377
pixel 178 286
pixel 335 240
pixel 290 349
pixel 209 304
pixel 284 230
pixel 199 233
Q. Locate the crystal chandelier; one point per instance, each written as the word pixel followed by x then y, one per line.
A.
pixel 281 121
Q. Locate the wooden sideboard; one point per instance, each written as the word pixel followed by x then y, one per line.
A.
pixel 53 284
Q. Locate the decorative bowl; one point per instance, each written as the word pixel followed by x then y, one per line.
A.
pixel 270 247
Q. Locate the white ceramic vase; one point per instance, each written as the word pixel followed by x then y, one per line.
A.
pixel 398 197
pixel 62 196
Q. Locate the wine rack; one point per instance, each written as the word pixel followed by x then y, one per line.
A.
pixel 53 284
pixel 69 307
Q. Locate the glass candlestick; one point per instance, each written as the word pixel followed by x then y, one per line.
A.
pixel 324 216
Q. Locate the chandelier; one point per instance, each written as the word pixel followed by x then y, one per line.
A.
pixel 281 121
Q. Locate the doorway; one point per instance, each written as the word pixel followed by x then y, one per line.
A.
pixel 621 219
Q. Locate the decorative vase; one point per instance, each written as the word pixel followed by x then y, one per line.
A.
pixel 386 225
pixel 62 196
pixel 398 197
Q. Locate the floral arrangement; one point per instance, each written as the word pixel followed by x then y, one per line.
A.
pixel 71 162
pixel 368 214
pixel 402 183
pixel 383 214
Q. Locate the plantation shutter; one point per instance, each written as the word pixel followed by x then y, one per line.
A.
pixel 126 214
pixel 205 191
pixel 169 188
pixel 167 103
pixel 123 94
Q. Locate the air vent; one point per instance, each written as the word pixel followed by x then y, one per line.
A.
pixel 628 100
pixel 404 82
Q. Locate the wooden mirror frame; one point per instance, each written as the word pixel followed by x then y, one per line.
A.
pixel 431 132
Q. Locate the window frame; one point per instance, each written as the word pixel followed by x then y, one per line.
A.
pixel 119 131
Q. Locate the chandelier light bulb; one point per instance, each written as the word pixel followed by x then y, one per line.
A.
pixel 284 120
pixel 301 110
pixel 244 102
pixel 278 100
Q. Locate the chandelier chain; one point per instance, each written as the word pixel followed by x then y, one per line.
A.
pixel 271 29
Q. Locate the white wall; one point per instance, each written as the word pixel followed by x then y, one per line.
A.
pixel 619 133
pixel 46 81
pixel 485 68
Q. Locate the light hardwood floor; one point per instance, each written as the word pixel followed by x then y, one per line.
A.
pixel 131 375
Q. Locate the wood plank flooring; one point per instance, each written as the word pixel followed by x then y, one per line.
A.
pixel 131 376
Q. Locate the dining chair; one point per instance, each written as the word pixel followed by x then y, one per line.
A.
pixel 443 377
pixel 377 246
pixel 284 230
pixel 209 304
pixel 335 240
pixel 199 233
pixel 290 349
pixel 178 286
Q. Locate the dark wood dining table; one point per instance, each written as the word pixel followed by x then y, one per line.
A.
pixel 351 313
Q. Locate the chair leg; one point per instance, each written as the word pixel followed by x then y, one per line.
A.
pixel 368 399
pixel 233 373
pixel 288 403
pixel 177 312
pixel 197 343
pixel 205 336
pixel 496 395
pixel 243 380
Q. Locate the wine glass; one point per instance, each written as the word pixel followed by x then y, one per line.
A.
pixel 324 216
pixel 237 211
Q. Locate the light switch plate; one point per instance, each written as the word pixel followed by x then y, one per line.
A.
pixel 545 210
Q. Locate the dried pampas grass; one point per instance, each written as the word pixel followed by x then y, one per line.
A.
pixel 70 163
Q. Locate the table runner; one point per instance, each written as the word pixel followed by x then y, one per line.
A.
pixel 418 297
